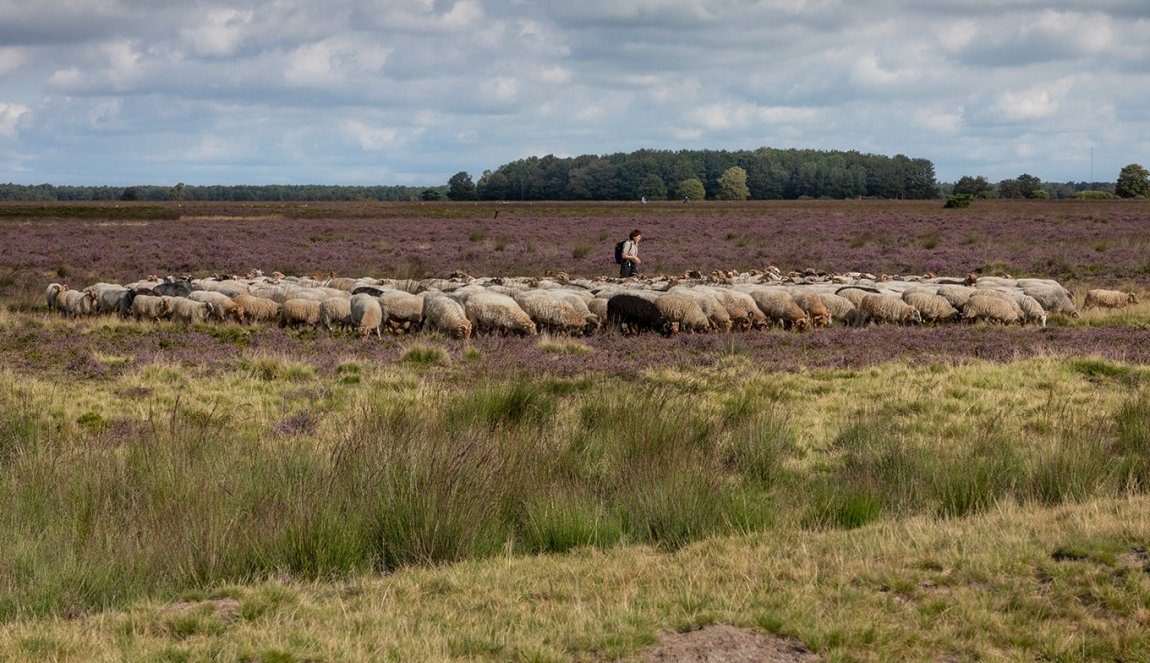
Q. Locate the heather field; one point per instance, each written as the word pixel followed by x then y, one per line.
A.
pixel 248 493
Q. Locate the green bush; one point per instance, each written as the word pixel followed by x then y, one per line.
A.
pixel 959 200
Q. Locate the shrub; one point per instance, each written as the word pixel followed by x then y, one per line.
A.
pixel 959 200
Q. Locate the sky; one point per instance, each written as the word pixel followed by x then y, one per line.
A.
pixel 139 92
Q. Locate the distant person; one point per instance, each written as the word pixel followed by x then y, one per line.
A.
pixel 686 198
pixel 630 264
pixel 643 200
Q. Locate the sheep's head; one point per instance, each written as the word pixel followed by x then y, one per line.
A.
pixel 802 324
pixel 914 317
pixel 462 331
pixel 1132 298
pixel 238 312
pixel 971 279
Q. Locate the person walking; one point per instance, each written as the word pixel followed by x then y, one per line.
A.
pixel 630 264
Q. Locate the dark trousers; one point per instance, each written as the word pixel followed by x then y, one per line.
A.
pixel 628 268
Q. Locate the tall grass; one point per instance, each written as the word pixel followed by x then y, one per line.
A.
pixel 193 496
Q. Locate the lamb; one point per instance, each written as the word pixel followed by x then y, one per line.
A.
pixel 223 307
pixel 551 313
pixel 402 311
pixel 887 309
pixel 990 309
pixel 335 312
pixel 150 307
pixel 491 312
pixel 813 306
pixel 680 312
pixel 444 314
pixel 780 308
pixel 932 308
pixel 366 314
pixel 299 312
pixel 258 309
pixel 840 308
pixel 1109 299
pixel 190 312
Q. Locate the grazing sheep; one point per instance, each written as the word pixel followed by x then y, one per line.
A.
pixel 402 311
pixel 444 314
pixel 223 307
pixel 1051 296
pixel 1109 299
pixel 991 309
pixel 366 314
pixel 1032 311
pixel 52 294
pixel 887 309
pixel 229 287
pixel 717 315
pixel 150 307
pixel 855 293
pixel 598 308
pixel 780 308
pixel 190 312
pixel 956 295
pixel 813 306
pixel 76 303
pixel 932 307
pixel 173 289
pixel 840 308
pixel 745 313
pixel 493 313
pixel 550 313
pixel 634 312
pixel 299 313
pixel 335 312
pixel 680 312
pixel 259 309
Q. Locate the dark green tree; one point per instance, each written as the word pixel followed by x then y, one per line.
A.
pixel 431 194
pixel 652 187
pixel 1133 182
pixel 978 187
pixel 460 187
pixel 692 189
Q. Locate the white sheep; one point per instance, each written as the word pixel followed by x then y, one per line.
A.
pixel 550 313
pixel 840 308
pixel 680 312
pixel 402 311
pixel 887 309
pixel 75 303
pixel 190 312
pixel 299 313
pixel 444 314
pixel 223 307
pixel 988 308
pixel 150 307
pixel 493 313
pixel 335 312
pixel 1109 299
pixel 259 309
pixel 780 308
pixel 366 314
pixel 932 307
pixel 717 315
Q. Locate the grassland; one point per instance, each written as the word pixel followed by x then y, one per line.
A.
pixel 249 494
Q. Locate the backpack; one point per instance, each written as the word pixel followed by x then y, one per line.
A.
pixel 619 252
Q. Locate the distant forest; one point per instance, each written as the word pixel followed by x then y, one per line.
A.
pixel 238 193
pixel 659 175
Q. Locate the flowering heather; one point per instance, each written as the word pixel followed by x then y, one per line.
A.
pixel 1100 242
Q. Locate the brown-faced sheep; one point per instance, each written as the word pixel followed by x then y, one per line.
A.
pixel 887 309
pixel 223 307
pixel 841 309
pixel 813 306
pixel 1109 299
pixel 780 308
pixel 718 318
pixel 680 312
pixel 150 307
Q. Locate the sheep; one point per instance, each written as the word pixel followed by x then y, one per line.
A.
pixel 223 307
pixel 956 295
pixel 335 312
pixel 444 314
pixel 366 314
pixel 76 303
pixel 1109 299
pixel 579 301
pixel 491 312
pixel 1051 296
pixel 813 306
pixel 299 312
pixel 854 293
pixel 887 309
pixel 150 307
pixel 402 311
pixel 633 312
pixel 190 312
pixel 1032 311
pixel 932 307
pixel 780 308
pixel 551 313
pixel 229 287
pixel 741 307
pixel 258 309
pixel 680 312
pixel 717 316
pixel 173 289
pixel 840 308
pixel 990 309
pixel 598 308
pixel 52 294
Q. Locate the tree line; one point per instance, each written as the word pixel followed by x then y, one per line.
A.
pixel 236 193
pixel 767 173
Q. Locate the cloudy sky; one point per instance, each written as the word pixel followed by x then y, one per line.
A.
pixel 128 92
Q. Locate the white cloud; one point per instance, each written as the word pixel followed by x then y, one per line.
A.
pixel 1033 103
pixel 220 34
pixel 9 115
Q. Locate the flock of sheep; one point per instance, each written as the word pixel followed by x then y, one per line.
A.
pixel 461 305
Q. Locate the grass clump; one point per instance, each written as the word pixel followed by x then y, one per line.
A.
pixel 424 354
